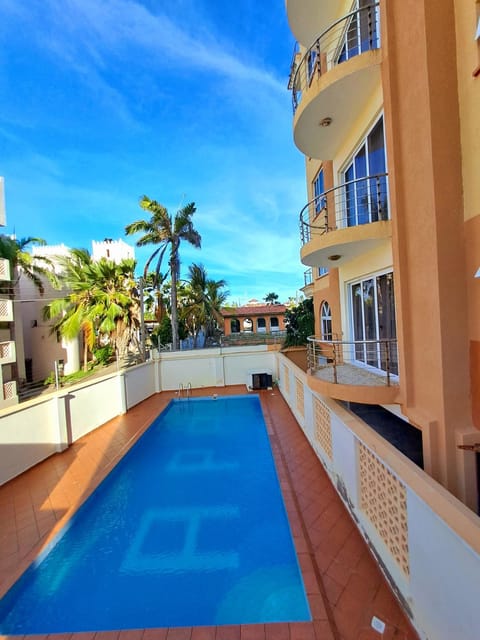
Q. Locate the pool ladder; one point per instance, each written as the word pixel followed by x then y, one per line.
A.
pixel 185 390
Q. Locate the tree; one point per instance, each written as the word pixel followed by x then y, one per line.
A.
pixel 271 298
pixel 102 303
pixel 153 290
pixel 166 232
pixel 300 323
pixel 35 268
pixel 207 297
pixel 162 334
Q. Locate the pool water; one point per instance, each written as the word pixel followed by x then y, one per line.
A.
pixel 188 529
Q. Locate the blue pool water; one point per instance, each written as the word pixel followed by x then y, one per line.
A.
pixel 188 529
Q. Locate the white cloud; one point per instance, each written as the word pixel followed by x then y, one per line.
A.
pixel 84 33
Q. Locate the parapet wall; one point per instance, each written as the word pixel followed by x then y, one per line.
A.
pixel 425 540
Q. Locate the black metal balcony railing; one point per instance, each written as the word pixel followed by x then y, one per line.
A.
pixel 355 362
pixel 353 203
pixel 354 33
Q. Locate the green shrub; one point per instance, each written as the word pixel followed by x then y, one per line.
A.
pixel 104 355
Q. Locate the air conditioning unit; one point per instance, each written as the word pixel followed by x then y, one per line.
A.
pixel 259 379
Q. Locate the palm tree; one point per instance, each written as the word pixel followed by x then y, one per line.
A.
pixel 271 298
pixel 166 232
pixel 209 295
pixel 35 268
pixel 154 295
pixel 23 263
pixel 217 299
pixel 102 303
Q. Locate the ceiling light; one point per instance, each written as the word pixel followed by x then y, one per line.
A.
pixel 326 122
pixel 335 257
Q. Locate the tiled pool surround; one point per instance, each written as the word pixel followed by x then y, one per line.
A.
pixel 344 585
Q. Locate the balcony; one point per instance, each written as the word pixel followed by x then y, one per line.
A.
pixel 340 69
pixel 358 370
pixel 345 221
pixel 308 18
pixel 7 352
pixel 308 283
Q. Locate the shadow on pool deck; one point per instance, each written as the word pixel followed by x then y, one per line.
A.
pixel 344 585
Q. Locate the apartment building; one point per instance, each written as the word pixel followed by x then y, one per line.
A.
pixel 8 353
pixel 42 349
pixel 385 109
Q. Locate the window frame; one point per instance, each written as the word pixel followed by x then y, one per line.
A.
pixel 351 163
pixel 326 321
pixel 318 188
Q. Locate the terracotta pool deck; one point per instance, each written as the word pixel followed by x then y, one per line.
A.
pixel 345 588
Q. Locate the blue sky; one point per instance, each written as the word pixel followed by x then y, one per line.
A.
pixel 104 101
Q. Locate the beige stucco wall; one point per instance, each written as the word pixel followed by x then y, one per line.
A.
pixel 468 61
pixel 423 142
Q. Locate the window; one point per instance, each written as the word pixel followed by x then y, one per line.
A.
pixel 365 181
pixel 261 325
pixel 373 318
pixel 311 63
pixel 318 188
pixel 362 31
pixel 322 271
pixel 326 321
pixel 274 326
pixel 247 325
pixel 235 326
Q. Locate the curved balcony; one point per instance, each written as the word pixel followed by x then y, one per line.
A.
pixel 345 221
pixel 340 69
pixel 358 370
pixel 308 283
pixel 308 18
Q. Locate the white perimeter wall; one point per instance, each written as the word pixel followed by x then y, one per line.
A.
pixel 214 367
pixel 441 590
pixel 34 430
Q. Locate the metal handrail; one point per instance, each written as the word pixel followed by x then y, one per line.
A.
pixel 308 277
pixel 378 356
pixel 347 37
pixel 353 203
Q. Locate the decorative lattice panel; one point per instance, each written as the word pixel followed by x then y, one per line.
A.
pixel 286 377
pixel 5 350
pixel 9 390
pixel 4 269
pixel 384 500
pixel 300 397
pixel 5 309
pixel 323 427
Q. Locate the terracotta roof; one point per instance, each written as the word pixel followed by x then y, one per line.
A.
pixel 257 310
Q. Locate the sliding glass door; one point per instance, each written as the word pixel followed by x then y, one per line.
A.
pixel 373 318
pixel 366 197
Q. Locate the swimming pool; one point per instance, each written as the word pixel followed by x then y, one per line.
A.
pixel 189 529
